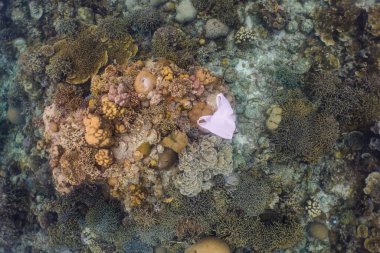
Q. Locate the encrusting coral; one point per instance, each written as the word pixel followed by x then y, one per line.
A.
pixel 200 162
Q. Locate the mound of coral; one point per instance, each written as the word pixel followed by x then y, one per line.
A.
pixel 136 132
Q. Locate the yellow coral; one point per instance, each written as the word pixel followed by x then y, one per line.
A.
pixel 372 244
pixel 96 133
pixel 183 76
pixel 111 110
pixel 120 128
pixel 167 72
pixel 274 117
pixel 137 195
pixel 177 141
pixel 104 157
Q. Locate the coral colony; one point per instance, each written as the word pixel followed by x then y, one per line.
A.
pixel 189 126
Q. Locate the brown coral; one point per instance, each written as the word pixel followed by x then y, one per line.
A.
pixel 304 133
pixel 87 56
pixel 79 166
pixel 200 109
pixel 272 15
pixel 339 18
pixel 373 22
pixel 176 141
pixel 205 77
pixel 87 53
pixel 67 98
pixel 180 88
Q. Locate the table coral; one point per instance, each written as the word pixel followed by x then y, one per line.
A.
pixel 87 53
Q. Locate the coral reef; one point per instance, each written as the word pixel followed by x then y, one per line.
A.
pixel 136 105
pixel 101 149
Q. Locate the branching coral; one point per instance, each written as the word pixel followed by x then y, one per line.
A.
pixel 373 23
pixel 270 235
pixel 104 218
pixel 272 14
pixel 69 230
pixel 67 98
pixel 171 43
pixel 225 11
pixel 66 27
pixel 304 133
pixel 78 166
pixel 58 68
pixel 252 195
pixel 339 18
pixel 235 229
pixel 322 85
pixel 146 19
pixel 113 28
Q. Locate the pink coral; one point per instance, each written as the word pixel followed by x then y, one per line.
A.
pixel 123 95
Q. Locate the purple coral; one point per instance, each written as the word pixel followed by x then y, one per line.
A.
pixel 123 95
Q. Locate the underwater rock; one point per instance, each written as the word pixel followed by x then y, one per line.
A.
pixel 185 11
pixel 14 115
pixel 215 29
